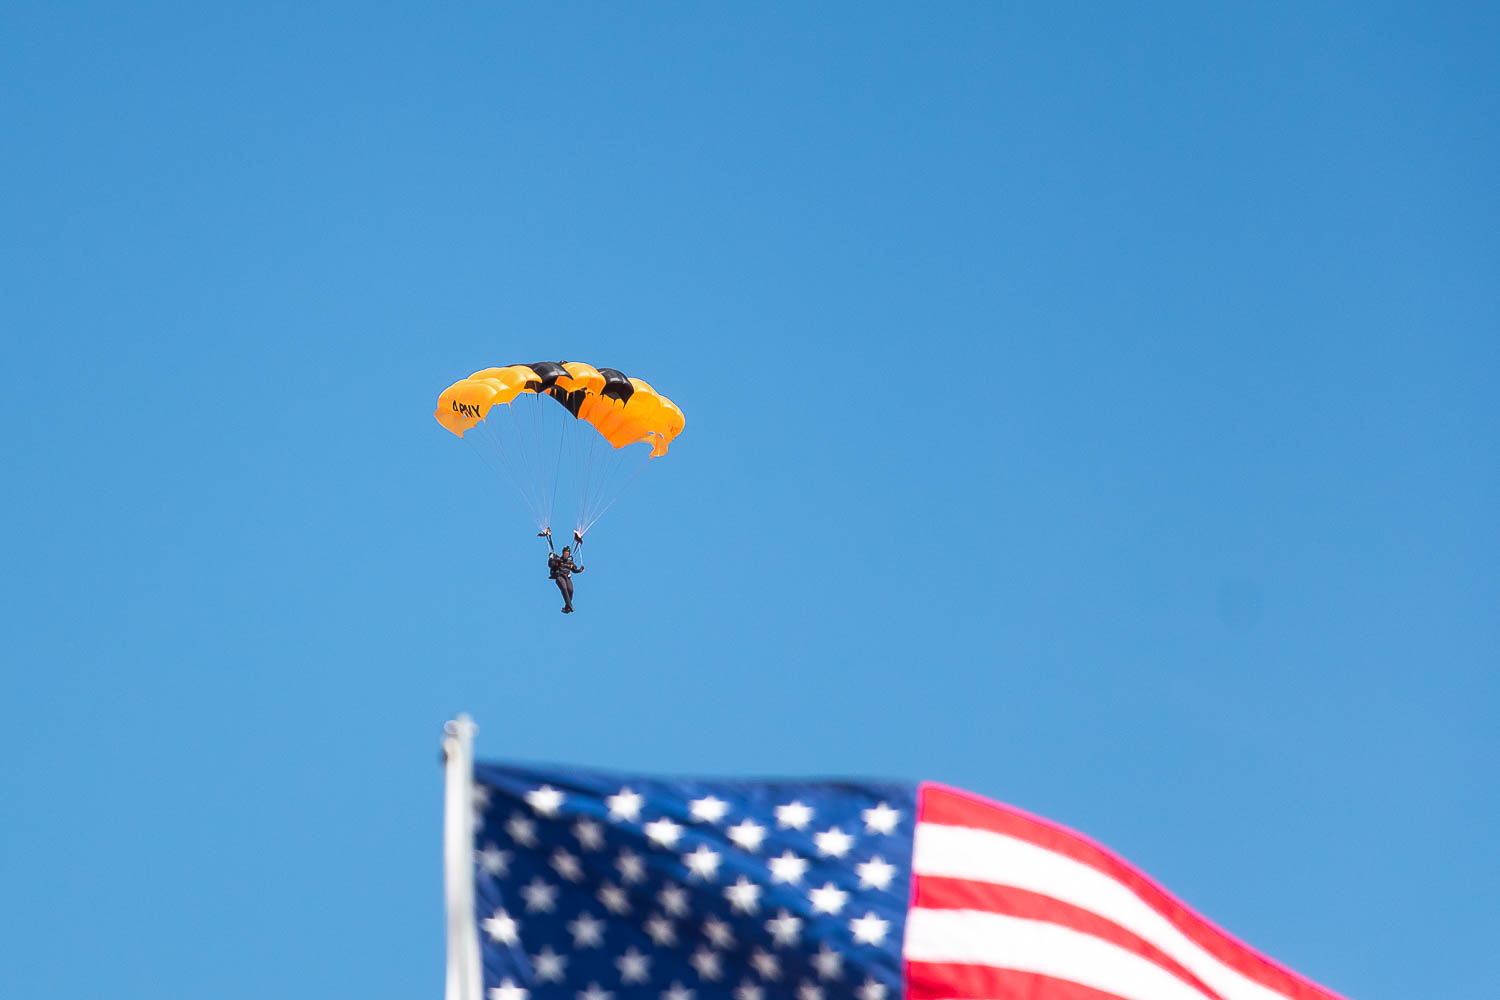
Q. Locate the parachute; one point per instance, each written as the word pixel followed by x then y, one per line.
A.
pixel 588 444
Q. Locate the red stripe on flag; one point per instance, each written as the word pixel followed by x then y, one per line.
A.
pixel 950 981
pixel 934 893
pixel 954 807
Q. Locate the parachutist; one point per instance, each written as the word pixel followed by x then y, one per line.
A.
pixel 561 568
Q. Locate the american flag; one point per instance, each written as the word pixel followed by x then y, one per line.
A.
pixel 597 886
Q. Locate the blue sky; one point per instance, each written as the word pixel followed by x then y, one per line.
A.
pixel 1094 409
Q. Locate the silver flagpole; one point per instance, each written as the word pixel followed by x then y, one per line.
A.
pixel 464 982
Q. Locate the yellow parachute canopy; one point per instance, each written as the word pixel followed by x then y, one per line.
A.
pixel 624 410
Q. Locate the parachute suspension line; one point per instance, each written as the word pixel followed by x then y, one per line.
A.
pixel 562 437
pixel 472 440
pixel 524 431
pixel 634 475
pixel 531 433
pixel 594 519
pixel 590 486
pixel 546 422
pixel 514 443
pixel 604 483
pixel 515 430
pixel 489 445
pixel 535 441
pixel 585 467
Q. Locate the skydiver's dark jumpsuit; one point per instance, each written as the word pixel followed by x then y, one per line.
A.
pixel 562 571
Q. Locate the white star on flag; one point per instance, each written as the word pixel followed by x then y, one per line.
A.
pixel 480 796
pixel 545 800
pixel 871 990
pixel 508 990
pixel 625 805
pixel 677 992
pixel 663 832
pixel 709 809
pixel 521 830
pixel 809 991
pixel 494 861
pixel 587 931
pixel 614 899
pixel 634 967
pixel 632 867
pixel 595 993
pixel 549 965
pixel 502 927
pixel 881 819
pixel 747 835
pixel 744 895
pixel 788 868
pixel 702 863
pixel 718 933
pixel 673 899
pixel 869 929
pixel 749 991
pixel 833 842
pixel 566 865
pixel 875 873
pixel 590 835
pixel 707 964
pixel 540 897
pixel 766 965
pixel 829 899
pixel 793 816
pixel 829 963
pixel 784 928
pixel 659 928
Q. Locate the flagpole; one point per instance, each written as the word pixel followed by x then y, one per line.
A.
pixel 464 981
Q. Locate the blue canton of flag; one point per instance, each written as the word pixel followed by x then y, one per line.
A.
pixel 593 886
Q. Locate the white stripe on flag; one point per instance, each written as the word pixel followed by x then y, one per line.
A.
pixel 985 856
pixel 971 937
